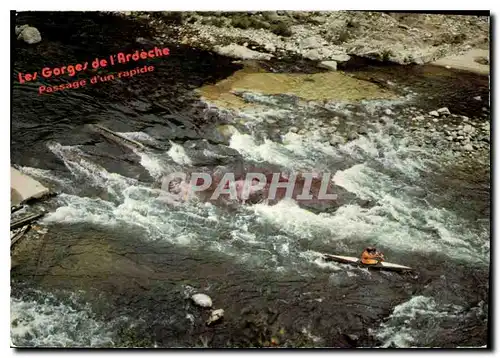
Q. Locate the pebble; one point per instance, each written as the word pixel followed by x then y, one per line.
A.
pixel 468 147
pixel 434 113
pixel 202 300
pixel 435 120
pixel 388 111
pixel 294 129
pixel 477 98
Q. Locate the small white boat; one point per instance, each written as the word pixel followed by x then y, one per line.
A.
pixel 355 261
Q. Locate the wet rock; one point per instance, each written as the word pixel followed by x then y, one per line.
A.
pixel 477 98
pixel 215 316
pixel 202 300
pixel 434 113
pixel 329 65
pixel 241 52
pixel 30 35
pixel 444 111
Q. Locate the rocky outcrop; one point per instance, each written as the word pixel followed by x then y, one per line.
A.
pixel 332 36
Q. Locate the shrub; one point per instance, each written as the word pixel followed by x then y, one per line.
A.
pixel 281 29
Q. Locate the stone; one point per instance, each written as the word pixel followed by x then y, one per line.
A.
pixel 468 147
pixel 335 140
pixel 388 111
pixel 477 98
pixel 202 300
pixel 312 42
pixel 419 118
pixel 435 120
pixel 30 35
pixel 294 129
pixel 241 52
pixel 434 113
pixel 215 316
pixel 469 129
pixel 352 136
pixel 444 111
pixel 329 65
pixel 340 57
pixel 449 138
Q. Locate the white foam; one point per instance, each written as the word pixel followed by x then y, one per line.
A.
pixel 178 154
pixel 48 322
pixel 415 322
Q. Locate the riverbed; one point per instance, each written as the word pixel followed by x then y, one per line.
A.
pixel 112 265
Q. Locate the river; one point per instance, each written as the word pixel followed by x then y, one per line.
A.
pixel 111 265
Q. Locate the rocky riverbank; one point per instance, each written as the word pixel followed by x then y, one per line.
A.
pixel 320 36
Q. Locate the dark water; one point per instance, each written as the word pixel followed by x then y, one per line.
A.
pixel 117 266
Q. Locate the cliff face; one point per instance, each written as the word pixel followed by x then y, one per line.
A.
pixel 327 36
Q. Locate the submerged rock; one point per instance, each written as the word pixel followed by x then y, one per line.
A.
pixel 202 300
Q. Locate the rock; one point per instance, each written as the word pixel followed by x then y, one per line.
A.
pixel 202 300
pixel 468 147
pixel 419 118
pixel 215 316
pixel 449 138
pixel 434 113
pixel 435 120
pixel 302 132
pixel 30 35
pixel 444 111
pixel 352 136
pixel 340 57
pixel 469 129
pixel 335 140
pixel 312 42
pixel 329 65
pixel 388 111
pixel 477 98
pixel 241 52
pixel 294 129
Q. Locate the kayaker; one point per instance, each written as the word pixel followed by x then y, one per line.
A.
pixel 371 256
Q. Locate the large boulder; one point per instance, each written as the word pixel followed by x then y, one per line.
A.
pixel 29 34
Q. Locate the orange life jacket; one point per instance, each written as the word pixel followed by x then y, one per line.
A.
pixel 369 259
